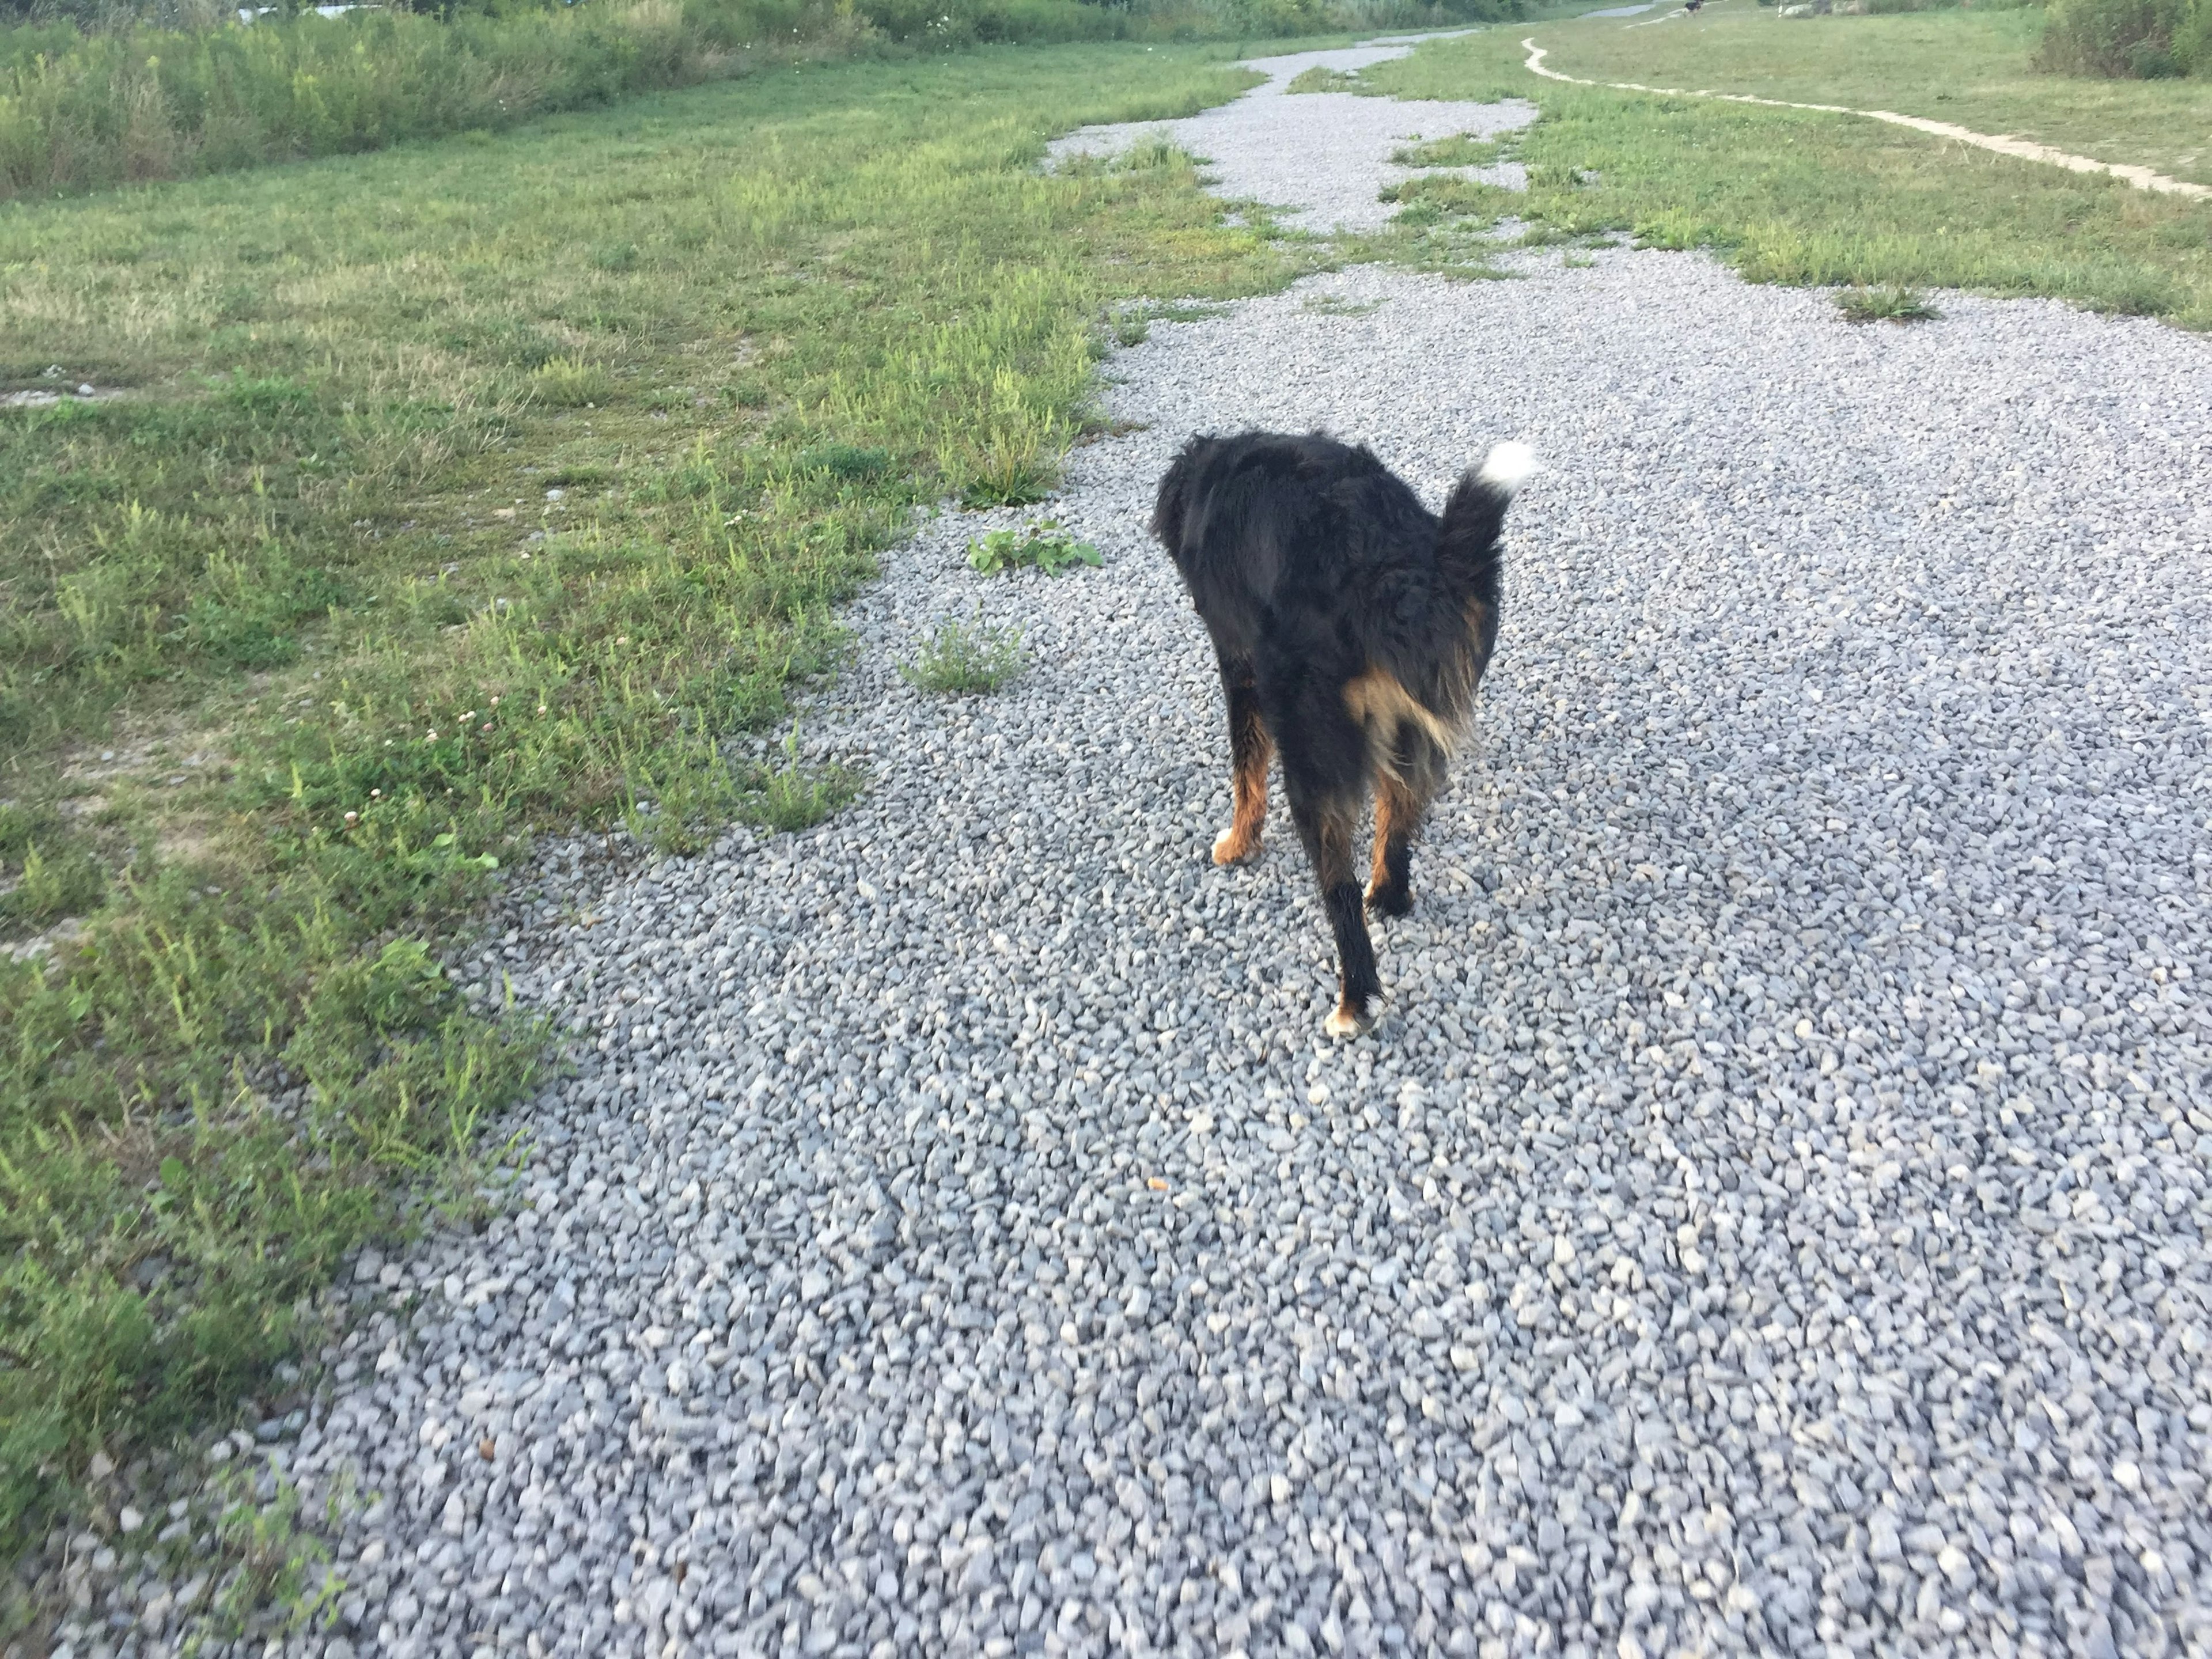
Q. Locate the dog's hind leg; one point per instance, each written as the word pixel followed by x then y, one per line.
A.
pixel 1397 817
pixel 1403 789
pixel 1326 808
pixel 1249 749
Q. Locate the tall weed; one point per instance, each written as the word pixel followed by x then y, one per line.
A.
pixel 2142 38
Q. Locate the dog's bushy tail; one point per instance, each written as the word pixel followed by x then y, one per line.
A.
pixel 1467 543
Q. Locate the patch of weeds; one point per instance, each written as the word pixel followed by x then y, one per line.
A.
pixel 1461 248
pixel 792 797
pixel 1318 79
pixel 1129 326
pixel 615 256
pixel 245 611
pixel 1540 234
pixel 958 660
pixel 280 1583
pixel 1891 302
pixel 571 383
pixel 1577 262
pixel 51 881
pixel 845 461
pixel 1434 197
pixel 1554 175
pixel 1044 545
pixel 21 825
pixel 1334 305
pixel 577 477
pixel 1459 150
pixel 1151 153
pixel 1186 311
pixel 1012 471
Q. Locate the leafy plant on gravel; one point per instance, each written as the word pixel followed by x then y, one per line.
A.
pixel 1890 302
pixel 796 797
pixel 1042 546
pixel 960 660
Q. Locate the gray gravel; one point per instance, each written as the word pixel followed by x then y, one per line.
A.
pixel 1322 157
pixel 1770 1218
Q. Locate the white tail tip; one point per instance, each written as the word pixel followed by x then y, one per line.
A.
pixel 1507 466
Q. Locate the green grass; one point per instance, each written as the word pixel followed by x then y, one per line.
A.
pixel 109 106
pixel 1427 197
pixel 1459 150
pixel 1318 79
pixel 397 532
pixel 1803 197
pixel 960 660
pixel 1973 69
pixel 1889 304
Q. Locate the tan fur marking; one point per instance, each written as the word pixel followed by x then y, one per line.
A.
pixel 1390 801
pixel 1376 699
pixel 1248 792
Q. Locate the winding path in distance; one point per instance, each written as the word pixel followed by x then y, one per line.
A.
pixel 2141 178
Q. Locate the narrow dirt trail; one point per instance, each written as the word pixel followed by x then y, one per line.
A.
pixel 2020 148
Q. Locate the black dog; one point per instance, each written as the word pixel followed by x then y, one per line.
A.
pixel 1352 625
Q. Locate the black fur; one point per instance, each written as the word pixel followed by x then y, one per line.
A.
pixel 1351 626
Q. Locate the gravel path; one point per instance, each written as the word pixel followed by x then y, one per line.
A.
pixel 1324 156
pixel 1772 1216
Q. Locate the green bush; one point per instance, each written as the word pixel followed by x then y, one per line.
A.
pixel 2143 39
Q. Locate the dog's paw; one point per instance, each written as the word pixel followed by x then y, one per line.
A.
pixel 1345 1021
pixel 1385 900
pixel 1230 847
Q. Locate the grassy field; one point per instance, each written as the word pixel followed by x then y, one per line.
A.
pixel 420 500
pixel 89 109
pixel 1795 196
pixel 1971 68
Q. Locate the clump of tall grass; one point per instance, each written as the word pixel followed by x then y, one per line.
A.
pixel 117 91
pixel 83 111
pixel 2145 39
